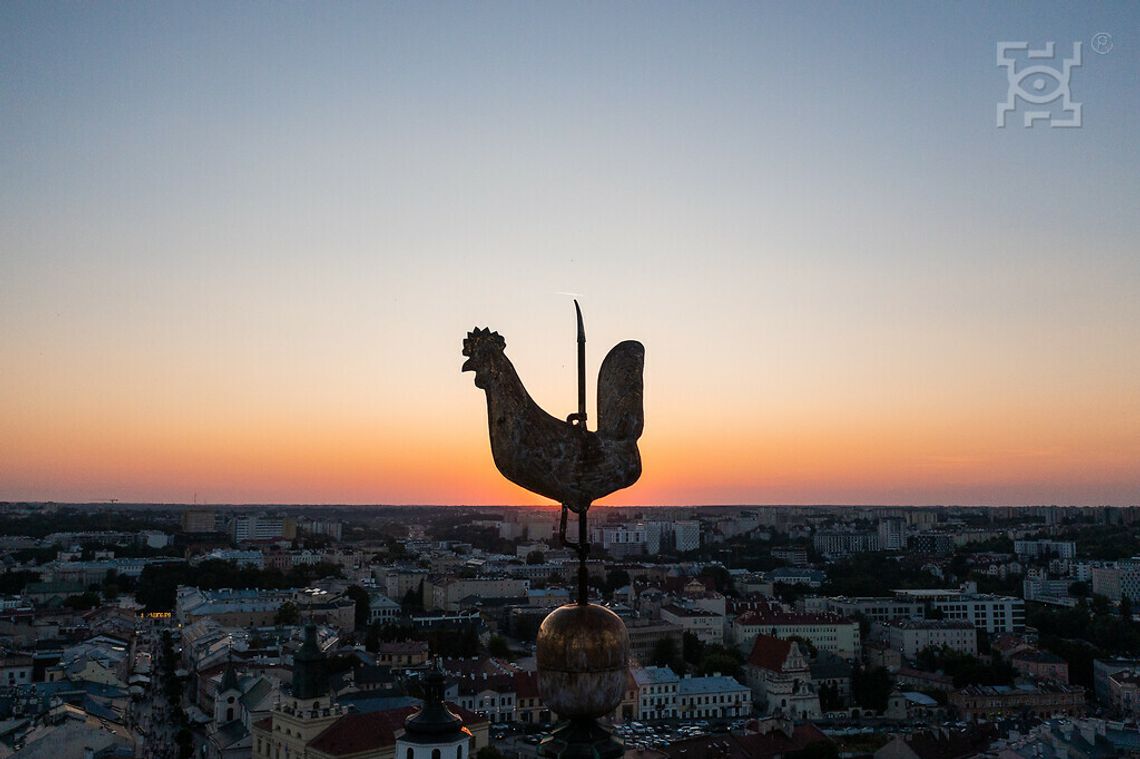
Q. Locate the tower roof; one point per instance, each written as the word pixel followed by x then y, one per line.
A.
pixel 309 676
pixel 229 677
pixel 434 722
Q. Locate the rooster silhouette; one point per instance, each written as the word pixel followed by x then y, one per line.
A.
pixel 558 459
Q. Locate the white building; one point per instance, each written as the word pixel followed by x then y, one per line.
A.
pixel 715 697
pixel 247 528
pixel 382 610
pixel 449 594
pixel 778 673
pixel 994 614
pixel 892 534
pixel 686 535
pixel 827 632
pixel 875 608
pixel 1040 549
pixel 845 543
pixel 656 692
pixel 707 625
pixel 621 540
pixel 909 636
pixel 332 527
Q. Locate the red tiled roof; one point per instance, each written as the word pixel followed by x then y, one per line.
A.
pixel 776 742
pixel 770 653
pixel 955 745
pixel 469 686
pixel 355 733
pixel 526 685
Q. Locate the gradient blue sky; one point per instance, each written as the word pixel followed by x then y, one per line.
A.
pixel 240 244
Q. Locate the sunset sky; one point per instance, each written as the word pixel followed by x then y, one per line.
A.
pixel 241 244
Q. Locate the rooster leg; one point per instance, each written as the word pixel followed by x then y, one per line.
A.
pixel 562 530
pixel 582 547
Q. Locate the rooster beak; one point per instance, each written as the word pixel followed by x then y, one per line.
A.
pixel 467 367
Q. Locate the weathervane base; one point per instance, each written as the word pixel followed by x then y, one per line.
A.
pixel 581 739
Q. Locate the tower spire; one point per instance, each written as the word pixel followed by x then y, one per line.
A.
pixel 309 674
pixel 434 722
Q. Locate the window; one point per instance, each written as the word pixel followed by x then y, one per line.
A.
pixel 435 754
pixel 410 755
pixel 458 752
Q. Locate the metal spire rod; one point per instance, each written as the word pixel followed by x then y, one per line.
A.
pixel 581 366
pixel 583 544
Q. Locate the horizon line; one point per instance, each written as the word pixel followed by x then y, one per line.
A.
pixel 267 505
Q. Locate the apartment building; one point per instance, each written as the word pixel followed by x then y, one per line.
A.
pixel 827 632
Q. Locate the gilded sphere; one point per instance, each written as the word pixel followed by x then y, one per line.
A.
pixel 583 660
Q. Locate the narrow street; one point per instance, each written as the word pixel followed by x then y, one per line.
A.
pixel 155 721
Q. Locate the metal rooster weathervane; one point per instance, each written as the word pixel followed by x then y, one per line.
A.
pixel 562 459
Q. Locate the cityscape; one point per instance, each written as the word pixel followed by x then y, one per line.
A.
pixel 743 379
pixel 171 632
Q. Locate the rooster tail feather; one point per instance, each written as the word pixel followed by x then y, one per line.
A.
pixel 621 410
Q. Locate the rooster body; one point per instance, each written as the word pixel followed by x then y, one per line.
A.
pixel 558 459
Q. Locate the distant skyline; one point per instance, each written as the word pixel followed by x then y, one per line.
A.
pixel 241 245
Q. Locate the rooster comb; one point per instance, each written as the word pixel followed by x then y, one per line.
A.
pixel 480 337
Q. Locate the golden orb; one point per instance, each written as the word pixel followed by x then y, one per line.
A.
pixel 583 660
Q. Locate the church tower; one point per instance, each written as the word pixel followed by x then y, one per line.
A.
pixel 303 714
pixel 226 706
pixel 434 732
pixel 310 678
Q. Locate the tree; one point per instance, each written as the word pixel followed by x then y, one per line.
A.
pixel 413 600
pixel 829 699
pixel 720 659
pixel 1079 589
pixel 870 688
pixel 287 614
pixel 692 649
pixel 497 646
pixel 372 637
pixel 111 585
pixel 616 578
pixel 966 669
pixel 536 557
pixel 13 583
pixel 1100 605
pixel 89 600
pixel 363 604
pixel 664 653
pixel 806 646
pixel 1126 609
pixel 722 580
